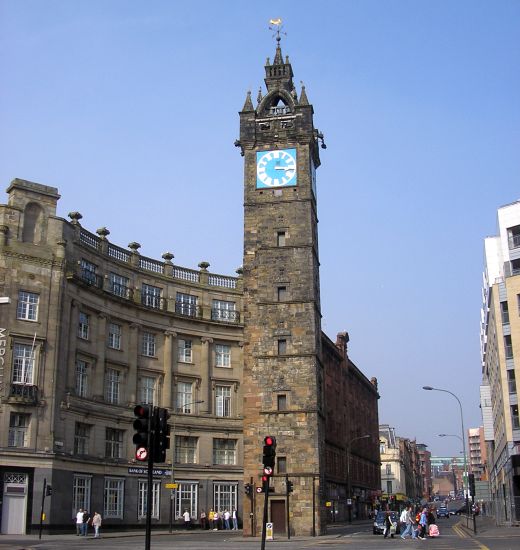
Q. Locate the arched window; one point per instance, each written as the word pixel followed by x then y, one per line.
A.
pixel 32 230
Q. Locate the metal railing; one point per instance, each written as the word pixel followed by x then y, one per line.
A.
pixel 188 310
pixel 225 315
pixel 89 239
pixel 27 392
pixel 118 253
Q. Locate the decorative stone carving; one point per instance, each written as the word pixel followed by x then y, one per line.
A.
pixel 75 217
pixel 103 232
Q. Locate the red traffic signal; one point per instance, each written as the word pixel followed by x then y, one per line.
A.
pixel 142 425
pixel 269 452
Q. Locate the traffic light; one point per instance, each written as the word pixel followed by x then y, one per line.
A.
pixel 248 489
pixel 161 434
pixel 471 481
pixel 48 491
pixel 269 454
pixel 290 487
pixel 142 427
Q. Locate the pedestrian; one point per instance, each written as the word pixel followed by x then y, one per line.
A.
pixel 226 517
pixel 86 517
pixel 388 525
pixel 211 517
pixel 234 516
pixel 79 522
pixel 187 518
pixel 406 519
pixel 203 520
pixel 216 520
pixel 96 523
pixel 423 522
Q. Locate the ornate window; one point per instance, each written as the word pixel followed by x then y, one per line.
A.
pixel 112 385
pixel 27 306
pixel 224 451
pixel 83 325
pixel 223 400
pixel 114 336
pixel 82 368
pixel 81 438
pixel 143 497
pixel 81 492
pixel 148 344
pixel 18 429
pixel 185 351
pixel 23 364
pixel 113 500
pixel 186 449
pixel 222 355
pixel 185 397
pixel 113 443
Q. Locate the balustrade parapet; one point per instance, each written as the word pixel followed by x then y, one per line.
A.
pixel 100 244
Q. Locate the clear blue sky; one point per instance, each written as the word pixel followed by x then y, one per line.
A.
pixel 130 109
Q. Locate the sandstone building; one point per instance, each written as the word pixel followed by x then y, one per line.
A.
pixel 91 329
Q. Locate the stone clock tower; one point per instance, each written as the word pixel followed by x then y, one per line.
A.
pixel 283 377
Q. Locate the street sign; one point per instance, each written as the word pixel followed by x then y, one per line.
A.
pixel 259 490
pixel 171 485
pixel 141 453
pixel 328 504
pixel 269 531
pixel 268 471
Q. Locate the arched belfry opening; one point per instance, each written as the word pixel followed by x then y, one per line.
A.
pixel 32 223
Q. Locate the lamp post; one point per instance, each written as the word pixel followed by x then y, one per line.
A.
pixel 463 439
pixel 349 482
pixel 172 476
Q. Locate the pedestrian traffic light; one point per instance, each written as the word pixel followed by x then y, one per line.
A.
pixel 269 453
pixel 471 480
pixel 142 426
pixel 48 491
pixel 290 487
pixel 248 489
pixel 161 434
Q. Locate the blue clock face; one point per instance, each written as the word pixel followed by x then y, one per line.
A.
pixel 275 168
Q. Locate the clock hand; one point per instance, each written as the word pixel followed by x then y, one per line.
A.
pixel 286 168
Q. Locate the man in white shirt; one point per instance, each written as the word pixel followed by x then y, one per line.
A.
pixel 187 518
pixel 406 518
pixel 79 522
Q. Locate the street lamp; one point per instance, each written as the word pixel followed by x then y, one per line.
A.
pixel 463 439
pixel 349 482
pixel 172 476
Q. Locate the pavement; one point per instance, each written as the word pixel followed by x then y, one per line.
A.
pixel 487 528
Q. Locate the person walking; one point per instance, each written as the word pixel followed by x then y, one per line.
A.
pixel 406 519
pixel 211 517
pixel 423 522
pixel 79 522
pixel 86 517
pixel 388 526
pixel 226 517
pixel 234 516
pixel 187 518
pixel 96 523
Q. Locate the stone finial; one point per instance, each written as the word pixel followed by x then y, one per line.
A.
pixel 248 104
pixel 239 271
pixel 303 96
pixel 373 381
pixel 134 247
pixel 103 233
pixel 75 217
pixel 268 62
pixel 259 97
pixel 204 266
pixel 168 257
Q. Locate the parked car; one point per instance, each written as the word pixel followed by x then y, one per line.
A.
pixel 379 522
pixel 442 512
